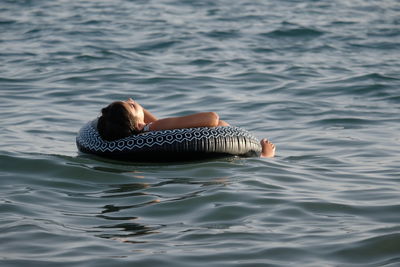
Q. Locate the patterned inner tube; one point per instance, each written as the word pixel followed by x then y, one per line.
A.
pixel 170 145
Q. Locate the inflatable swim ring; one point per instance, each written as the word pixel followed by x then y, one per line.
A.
pixel 170 145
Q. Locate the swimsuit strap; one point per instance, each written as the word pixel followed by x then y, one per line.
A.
pixel 146 128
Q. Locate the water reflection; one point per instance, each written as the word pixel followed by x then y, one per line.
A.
pixel 127 232
pixel 125 190
pixel 128 222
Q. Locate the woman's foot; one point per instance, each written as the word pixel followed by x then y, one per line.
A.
pixel 268 149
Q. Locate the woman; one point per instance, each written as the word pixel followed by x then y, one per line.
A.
pixel 123 118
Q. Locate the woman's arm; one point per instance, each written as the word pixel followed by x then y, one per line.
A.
pixel 148 116
pixel 204 119
pixel 223 123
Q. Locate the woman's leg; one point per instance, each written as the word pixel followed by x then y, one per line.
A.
pixel 268 149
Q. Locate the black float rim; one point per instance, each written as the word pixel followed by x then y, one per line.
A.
pixel 170 145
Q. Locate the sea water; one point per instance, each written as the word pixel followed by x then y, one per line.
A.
pixel 320 79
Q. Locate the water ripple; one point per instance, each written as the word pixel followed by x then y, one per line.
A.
pixel 320 79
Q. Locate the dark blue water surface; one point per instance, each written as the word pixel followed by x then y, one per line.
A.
pixel 321 79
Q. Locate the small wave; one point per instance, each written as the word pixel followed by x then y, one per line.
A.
pixel 7 22
pixel 345 123
pixel 378 45
pixel 218 34
pixel 296 32
pixel 371 84
pixel 376 250
pixel 4 80
pixel 87 57
pixel 155 45
pixel 201 62
pixel 393 99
